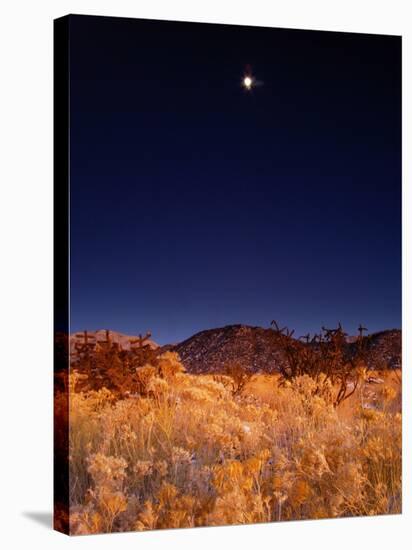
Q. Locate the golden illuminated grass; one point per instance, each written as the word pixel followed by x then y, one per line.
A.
pixel 190 453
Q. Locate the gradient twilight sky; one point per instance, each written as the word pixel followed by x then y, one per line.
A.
pixel 195 204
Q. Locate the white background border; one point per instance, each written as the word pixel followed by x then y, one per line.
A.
pixel 26 268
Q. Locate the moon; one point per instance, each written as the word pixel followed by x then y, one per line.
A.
pixel 248 82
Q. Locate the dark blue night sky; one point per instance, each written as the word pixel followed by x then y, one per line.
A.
pixel 195 204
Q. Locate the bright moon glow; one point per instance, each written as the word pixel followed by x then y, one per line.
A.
pixel 247 82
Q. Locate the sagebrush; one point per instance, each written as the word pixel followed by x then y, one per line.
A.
pixel 189 451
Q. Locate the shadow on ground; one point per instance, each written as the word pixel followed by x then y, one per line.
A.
pixel 42 518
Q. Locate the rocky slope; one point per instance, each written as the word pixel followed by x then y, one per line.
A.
pixel 210 350
pixel 255 349
pixel 384 349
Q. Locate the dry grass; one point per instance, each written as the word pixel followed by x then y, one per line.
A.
pixel 190 453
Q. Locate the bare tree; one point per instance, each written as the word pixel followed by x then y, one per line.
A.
pixel 325 357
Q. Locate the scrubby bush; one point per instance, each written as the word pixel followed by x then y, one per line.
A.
pixel 188 452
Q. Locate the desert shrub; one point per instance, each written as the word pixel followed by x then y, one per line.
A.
pixel 325 357
pixel 239 377
pixel 187 452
